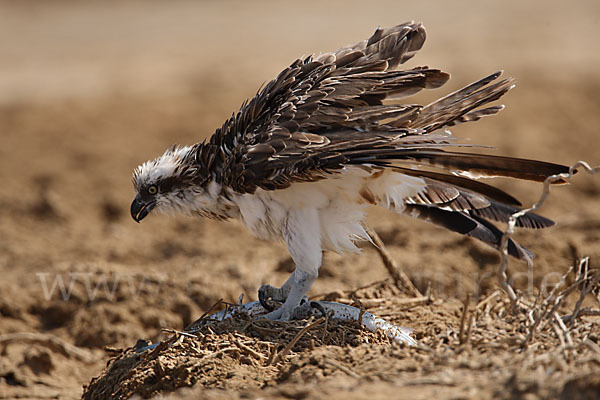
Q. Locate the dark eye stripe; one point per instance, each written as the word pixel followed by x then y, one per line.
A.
pixel 168 184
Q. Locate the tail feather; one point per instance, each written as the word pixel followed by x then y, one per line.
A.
pixel 489 191
pixel 453 198
pixel 502 212
pixel 468 225
pixel 514 248
pixel 478 165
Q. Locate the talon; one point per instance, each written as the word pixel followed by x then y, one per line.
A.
pixel 318 306
pixel 262 298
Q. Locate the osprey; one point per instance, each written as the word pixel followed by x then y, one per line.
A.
pixel 304 159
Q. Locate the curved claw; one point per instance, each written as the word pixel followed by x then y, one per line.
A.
pixel 318 306
pixel 262 298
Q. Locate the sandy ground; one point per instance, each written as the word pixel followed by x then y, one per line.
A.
pixel 88 90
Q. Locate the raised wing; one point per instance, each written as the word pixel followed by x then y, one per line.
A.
pixel 323 113
pixel 295 127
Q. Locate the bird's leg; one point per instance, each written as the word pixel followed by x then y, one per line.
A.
pixel 292 307
pixel 302 235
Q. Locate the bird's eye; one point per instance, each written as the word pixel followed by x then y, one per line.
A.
pixel 152 189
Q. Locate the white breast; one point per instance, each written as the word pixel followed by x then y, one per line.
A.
pixel 341 202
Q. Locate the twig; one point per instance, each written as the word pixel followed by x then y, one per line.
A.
pixel 327 322
pixel 592 346
pixel 291 344
pixel 469 327
pixel 249 350
pixel 559 336
pixel 272 355
pixel 396 272
pixel 587 288
pixel 563 177
pixel 489 298
pixel 544 313
pixel 191 327
pixel 463 319
pixel 428 290
pixel 175 331
pixel 210 356
pixel 586 312
pixel 155 352
pixel 564 329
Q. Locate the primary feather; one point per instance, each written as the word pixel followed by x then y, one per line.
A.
pixel 303 159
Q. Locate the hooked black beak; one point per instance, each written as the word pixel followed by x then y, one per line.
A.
pixel 139 208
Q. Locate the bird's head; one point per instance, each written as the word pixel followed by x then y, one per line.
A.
pixel 170 183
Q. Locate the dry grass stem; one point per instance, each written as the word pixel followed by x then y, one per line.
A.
pixel 564 177
pixel 397 274
pixel 291 344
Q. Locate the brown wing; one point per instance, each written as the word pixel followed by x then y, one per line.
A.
pixel 322 113
pixel 298 125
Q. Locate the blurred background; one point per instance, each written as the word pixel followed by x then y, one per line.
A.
pixel 90 89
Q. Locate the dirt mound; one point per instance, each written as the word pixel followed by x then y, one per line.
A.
pixel 526 345
pixel 233 354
